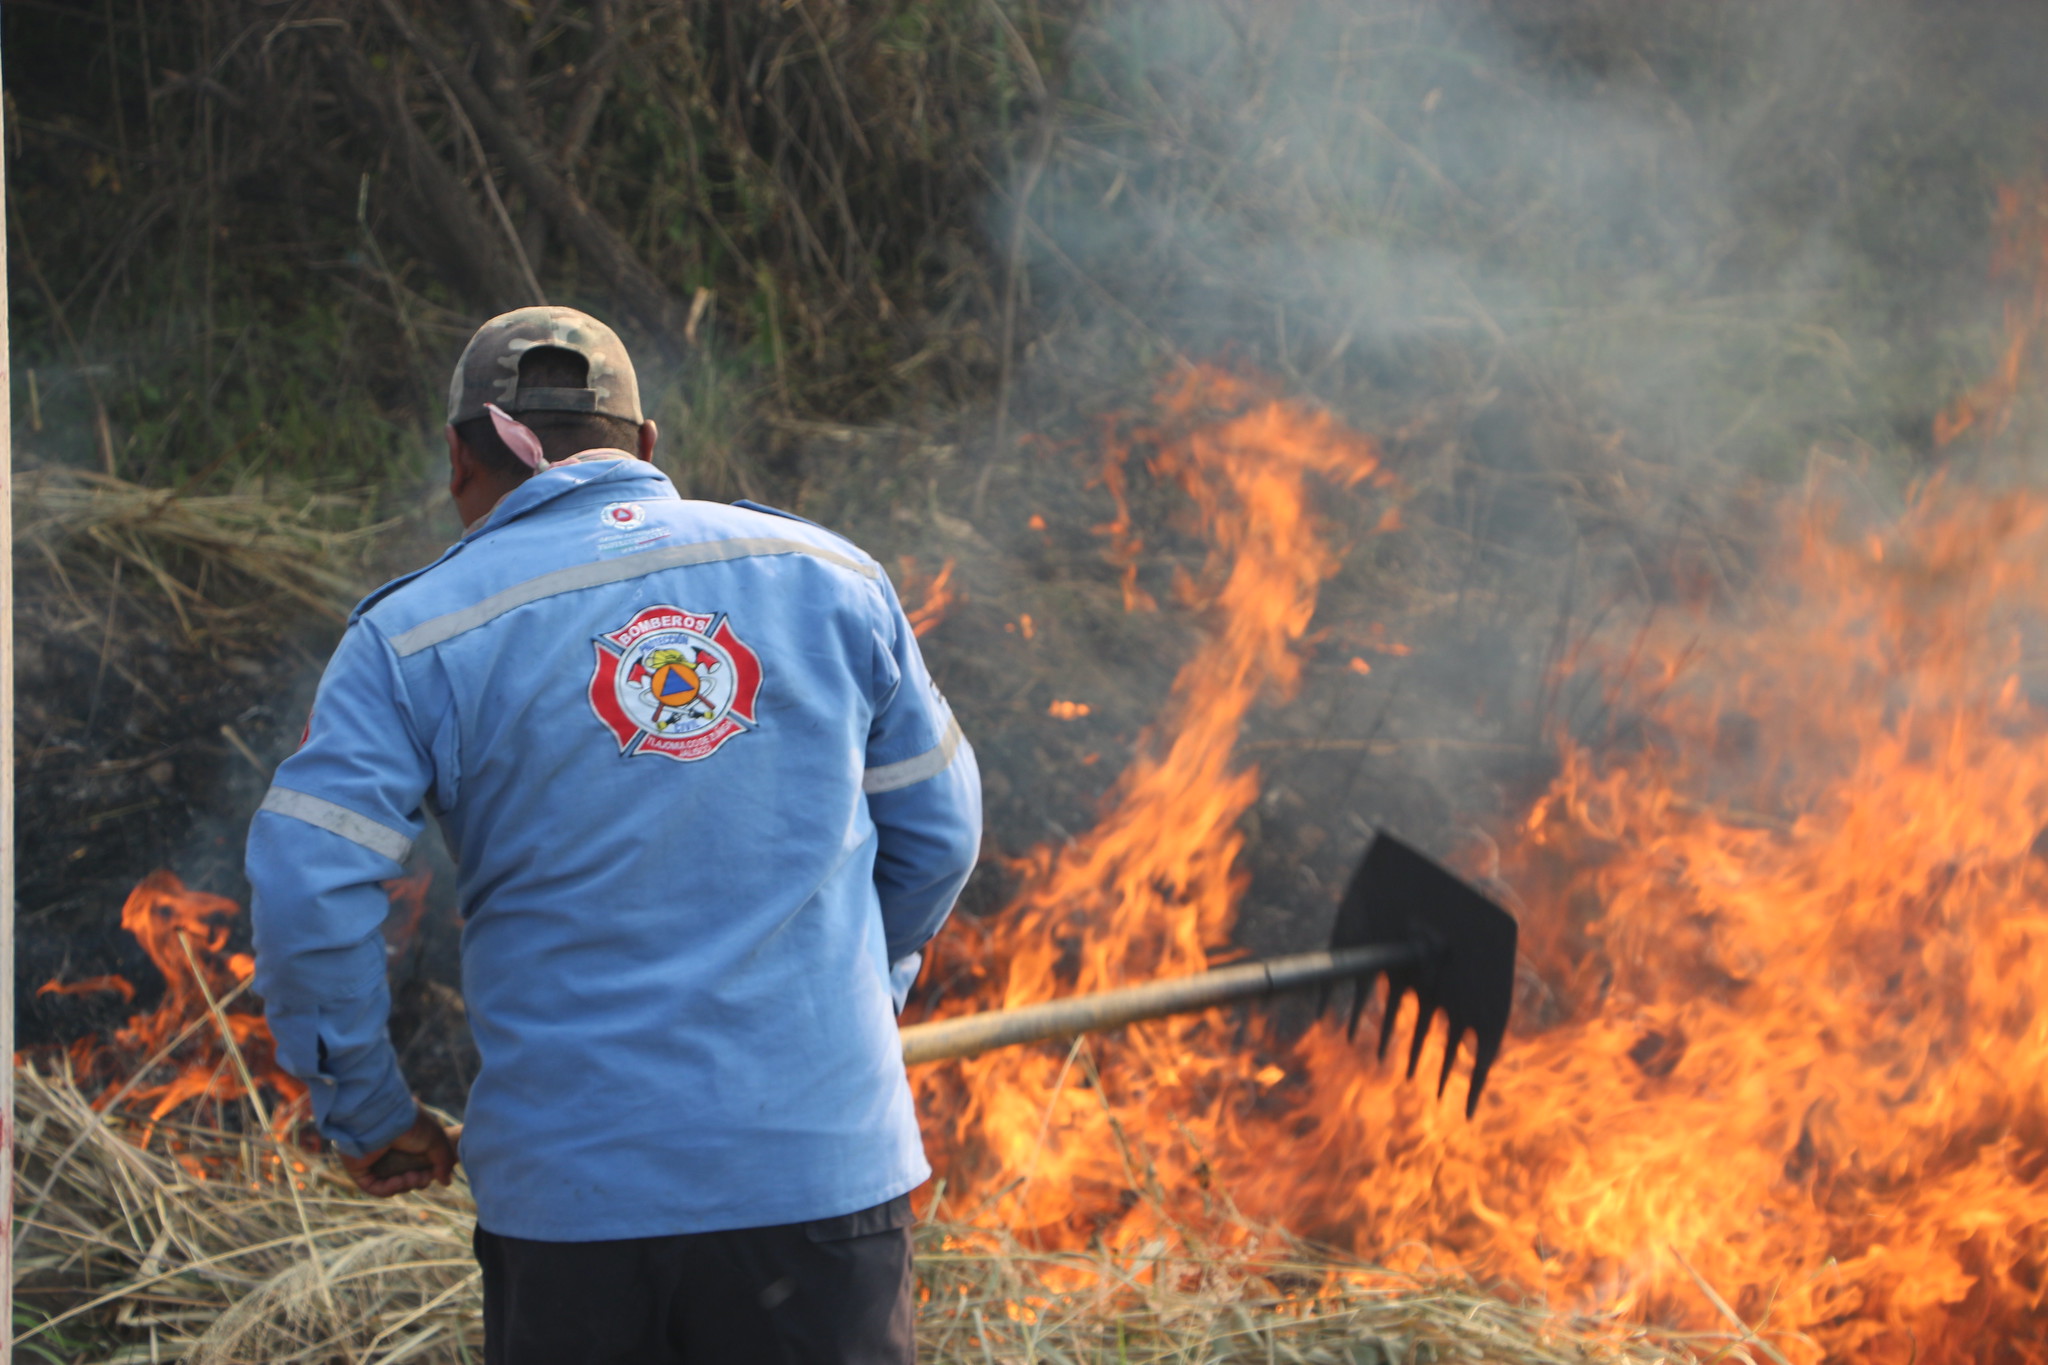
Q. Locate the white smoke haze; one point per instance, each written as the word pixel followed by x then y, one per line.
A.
pixel 1327 186
pixel 1599 276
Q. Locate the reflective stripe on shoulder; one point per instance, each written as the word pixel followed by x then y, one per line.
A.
pixel 357 829
pixel 432 632
pixel 911 771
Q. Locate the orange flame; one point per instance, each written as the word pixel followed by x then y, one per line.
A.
pixel 1152 890
pixel 408 911
pixel 1779 1054
pixel 92 985
pixel 937 596
pixel 2021 221
pixel 171 1056
pixel 1790 948
pixel 182 929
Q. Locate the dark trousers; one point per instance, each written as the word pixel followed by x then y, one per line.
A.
pixel 832 1292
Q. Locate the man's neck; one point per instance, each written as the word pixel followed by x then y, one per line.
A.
pixel 507 489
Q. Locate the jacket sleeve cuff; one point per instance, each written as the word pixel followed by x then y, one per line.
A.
pixel 374 1125
pixel 360 1099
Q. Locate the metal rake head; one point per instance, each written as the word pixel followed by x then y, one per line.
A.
pixel 1466 968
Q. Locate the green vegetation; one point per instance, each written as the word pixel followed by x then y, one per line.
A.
pixel 259 224
pixel 238 231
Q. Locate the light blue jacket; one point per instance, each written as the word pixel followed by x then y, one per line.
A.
pixel 704 797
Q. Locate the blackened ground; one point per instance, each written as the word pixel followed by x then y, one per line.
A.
pixel 143 744
pixel 122 772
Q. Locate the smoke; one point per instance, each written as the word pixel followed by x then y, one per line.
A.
pixel 1687 207
pixel 1600 276
pixel 1613 285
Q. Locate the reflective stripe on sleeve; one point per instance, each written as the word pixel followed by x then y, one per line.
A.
pixel 434 631
pixel 357 829
pixel 911 771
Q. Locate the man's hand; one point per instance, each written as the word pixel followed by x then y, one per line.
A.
pixel 420 1156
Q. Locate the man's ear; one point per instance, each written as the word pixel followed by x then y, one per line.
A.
pixel 463 468
pixel 648 435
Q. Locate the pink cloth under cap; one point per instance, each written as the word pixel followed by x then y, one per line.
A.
pixel 518 438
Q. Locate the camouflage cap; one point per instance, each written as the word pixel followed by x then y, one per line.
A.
pixel 489 369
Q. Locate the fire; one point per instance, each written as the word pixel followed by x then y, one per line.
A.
pixel 408 912
pixel 1792 1040
pixel 936 596
pixel 1780 1058
pixel 171 1056
pixel 1152 889
pixel 2021 221
pixel 91 985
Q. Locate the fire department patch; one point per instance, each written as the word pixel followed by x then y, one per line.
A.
pixel 675 683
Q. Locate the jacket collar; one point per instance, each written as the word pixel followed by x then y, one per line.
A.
pixel 630 477
pixel 592 467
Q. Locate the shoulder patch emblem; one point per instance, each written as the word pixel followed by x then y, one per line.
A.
pixel 675 683
pixel 623 516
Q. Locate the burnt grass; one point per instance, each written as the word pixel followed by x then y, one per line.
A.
pixel 120 775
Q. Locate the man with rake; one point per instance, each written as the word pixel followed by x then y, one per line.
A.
pixel 686 932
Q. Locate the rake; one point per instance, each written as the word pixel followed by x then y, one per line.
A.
pixel 1402 917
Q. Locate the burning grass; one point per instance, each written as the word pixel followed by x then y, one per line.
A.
pixel 197 1247
pixel 1778 1026
pixel 220 1238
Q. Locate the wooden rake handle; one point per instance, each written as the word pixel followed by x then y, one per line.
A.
pixel 972 1034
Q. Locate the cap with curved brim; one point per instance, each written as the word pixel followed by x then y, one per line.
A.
pixel 489 369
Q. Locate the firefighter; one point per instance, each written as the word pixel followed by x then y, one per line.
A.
pixel 691 1137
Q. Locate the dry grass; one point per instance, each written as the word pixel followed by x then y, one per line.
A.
pixel 206 558
pixel 197 1249
pixel 211 1255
